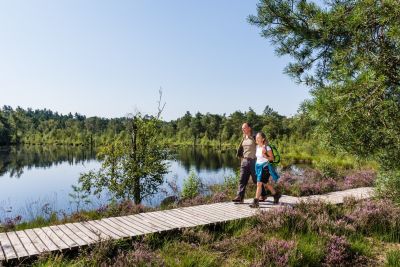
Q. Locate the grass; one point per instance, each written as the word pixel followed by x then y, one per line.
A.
pixel 393 258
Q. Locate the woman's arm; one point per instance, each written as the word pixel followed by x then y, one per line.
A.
pixel 268 155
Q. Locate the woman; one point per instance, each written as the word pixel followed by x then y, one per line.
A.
pixel 264 155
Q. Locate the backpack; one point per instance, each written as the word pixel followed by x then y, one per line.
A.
pixel 275 152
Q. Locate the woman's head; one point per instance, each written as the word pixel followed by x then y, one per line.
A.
pixel 261 138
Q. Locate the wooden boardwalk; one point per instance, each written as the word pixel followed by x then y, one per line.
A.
pixel 32 242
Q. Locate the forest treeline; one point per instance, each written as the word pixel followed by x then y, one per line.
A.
pixel 43 126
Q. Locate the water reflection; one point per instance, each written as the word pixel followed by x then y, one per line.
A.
pixel 205 158
pixel 14 159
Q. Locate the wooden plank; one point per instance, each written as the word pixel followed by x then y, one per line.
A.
pixel 213 213
pixel 191 217
pixel 179 218
pixel 2 256
pixel 119 227
pixel 116 231
pixel 8 249
pixel 228 210
pixel 138 221
pixel 232 211
pixel 196 211
pixel 84 232
pixel 39 245
pixel 29 246
pixel 98 232
pixel 81 234
pixel 18 246
pixel 140 228
pixel 176 220
pixel 235 210
pixel 225 213
pixel 96 225
pixel 72 235
pixel 199 212
pixel 150 221
pixel 157 220
pixel 214 218
pixel 166 220
pixel 132 230
pixel 56 240
pixel 186 218
pixel 65 238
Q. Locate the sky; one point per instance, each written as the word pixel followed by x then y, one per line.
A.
pixel 110 58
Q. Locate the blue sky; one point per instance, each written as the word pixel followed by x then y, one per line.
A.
pixel 109 58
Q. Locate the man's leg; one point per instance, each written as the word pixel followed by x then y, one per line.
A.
pixel 245 169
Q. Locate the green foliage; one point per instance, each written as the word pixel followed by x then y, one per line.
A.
pixel 327 167
pixel 388 185
pixel 191 186
pixel 347 52
pixel 131 169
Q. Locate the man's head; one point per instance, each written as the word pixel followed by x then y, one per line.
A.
pixel 246 128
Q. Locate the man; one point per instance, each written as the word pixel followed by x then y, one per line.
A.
pixel 247 153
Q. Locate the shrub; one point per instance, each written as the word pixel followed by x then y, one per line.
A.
pixel 191 186
pixel 287 219
pixel 338 251
pixel 381 217
pixel 388 185
pixel 359 179
pixel 327 167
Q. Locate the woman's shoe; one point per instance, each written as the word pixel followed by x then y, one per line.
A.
pixel 277 196
pixel 255 203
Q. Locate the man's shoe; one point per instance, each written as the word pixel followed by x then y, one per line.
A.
pixel 255 203
pixel 263 198
pixel 237 199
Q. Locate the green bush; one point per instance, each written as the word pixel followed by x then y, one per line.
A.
pixel 388 185
pixel 327 167
pixel 191 186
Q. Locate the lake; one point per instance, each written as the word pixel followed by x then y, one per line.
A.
pixel 38 179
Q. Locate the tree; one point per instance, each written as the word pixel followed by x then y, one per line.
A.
pixel 348 52
pixel 196 127
pixel 134 168
pixel 5 132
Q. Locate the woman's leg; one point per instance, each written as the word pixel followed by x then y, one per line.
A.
pixel 270 188
pixel 259 189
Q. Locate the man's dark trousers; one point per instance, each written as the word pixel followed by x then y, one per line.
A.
pixel 247 168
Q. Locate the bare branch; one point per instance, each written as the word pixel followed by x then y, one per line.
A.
pixel 160 107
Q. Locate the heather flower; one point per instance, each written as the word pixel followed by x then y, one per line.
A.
pixel 359 179
pixel 337 251
pixel 375 215
pixel 318 187
pixel 288 217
